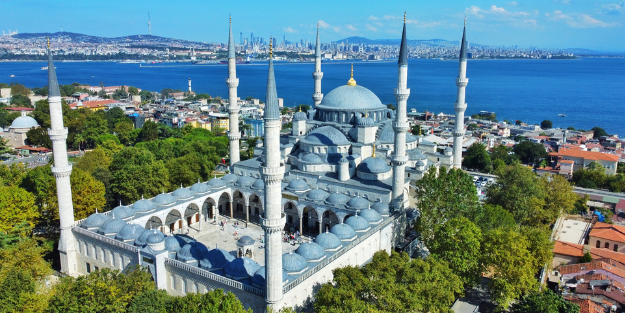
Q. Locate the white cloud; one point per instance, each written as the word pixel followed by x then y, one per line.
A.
pixel 531 22
pixel 289 30
pixel 493 11
pixel 513 3
pixel 351 27
pixel 373 18
pixel 336 29
pixel 323 24
pixel 391 17
pixel 587 21
pixel 371 28
pixel 557 15
pixel 613 8
pixel 562 1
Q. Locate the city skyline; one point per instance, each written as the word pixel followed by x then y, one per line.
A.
pixel 550 24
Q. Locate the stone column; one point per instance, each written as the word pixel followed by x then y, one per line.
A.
pixel 247 213
pixel 231 212
pixel 301 227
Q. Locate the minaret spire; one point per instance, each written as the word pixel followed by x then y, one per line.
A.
pixel 317 74
pixel 460 106
pixel 233 107
pixel 400 125
pixel 272 171
pixel 62 171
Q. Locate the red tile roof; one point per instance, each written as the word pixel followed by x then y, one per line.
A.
pixel 592 266
pixel 97 103
pixel 587 306
pixel 19 109
pixel 565 248
pixel 588 155
pixel 609 232
pixel 596 253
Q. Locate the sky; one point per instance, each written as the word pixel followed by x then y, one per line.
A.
pixel 590 24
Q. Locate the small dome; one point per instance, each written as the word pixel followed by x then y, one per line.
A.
pixel 216 183
pixel 343 231
pixel 326 136
pixel 420 163
pixel 183 194
pixel 381 208
pixel 311 158
pixel 200 188
pixel 143 206
pixel 343 160
pixel 95 220
pixel 230 178
pixel 311 251
pixel 298 185
pixel 142 240
pixel 328 241
pixel 219 258
pixel 293 262
pixel 300 116
pixel 206 264
pixel 357 223
pixel 164 199
pixel 24 122
pixel 172 244
pixel 358 203
pixel 246 241
pixel 130 232
pixel 317 195
pixel 259 184
pixel 155 238
pixel 259 277
pixel 337 199
pixel 373 165
pixel 365 122
pixel 192 251
pixel 122 212
pixel 241 268
pixel 246 181
pixel 372 216
pixel 111 227
pixel 416 154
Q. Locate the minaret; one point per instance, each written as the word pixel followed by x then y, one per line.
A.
pixel 272 172
pixel 233 107
pixel 317 74
pixel 460 106
pixel 61 170
pixel 400 126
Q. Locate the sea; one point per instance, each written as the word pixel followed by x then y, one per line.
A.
pixel 589 91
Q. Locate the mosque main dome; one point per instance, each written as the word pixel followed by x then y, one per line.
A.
pixel 352 98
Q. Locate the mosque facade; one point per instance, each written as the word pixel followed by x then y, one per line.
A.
pixel 341 179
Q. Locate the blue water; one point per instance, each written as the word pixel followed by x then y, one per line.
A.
pixel 591 92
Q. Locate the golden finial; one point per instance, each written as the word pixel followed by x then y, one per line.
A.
pixel 351 81
pixel 270 47
pixel 230 16
pixel 300 108
pixel 465 21
pixel 420 130
pixel 366 114
pixel 404 17
pixel 373 151
pixel 48 43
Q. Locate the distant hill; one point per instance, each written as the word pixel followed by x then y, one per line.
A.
pixel 433 42
pixel 96 39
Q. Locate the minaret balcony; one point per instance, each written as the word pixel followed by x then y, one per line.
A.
pixel 232 82
pixel 462 82
pixel 317 75
pixel 273 223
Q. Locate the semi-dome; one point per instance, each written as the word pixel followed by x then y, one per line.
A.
pixel 317 195
pixel 142 240
pixel 246 241
pixel 388 135
pixel 164 199
pixel 172 244
pixel 122 212
pixel 241 268
pixel 300 116
pixel 193 251
pixel 143 206
pixel 259 277
pixel 130 232
pixel 328 241
pixel 351 98
pixel 200 188
pixel 95 220
pixel 372 216
pixel 365 122
pixel 230 178
pixel 357 223
pixel 216 183
pixel 373 165
pixel 183 193
pixel 298 185
pixel 311 251
pixel 111 227
pixel 337 199
pixel 381 208
pixel 246 181
pixel 311 158
pixel 326 136
pixel 293 262
pixel 219 258
pixel 259 184
pixel 24 122
pixel 343 231
pixel 358 203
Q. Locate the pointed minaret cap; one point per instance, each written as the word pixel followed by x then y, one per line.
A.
pixel 463 44
pixel 403 48
pixel 351 81
pixel 272 110
pixel 231 52
pixel 53 84
pixel 318 45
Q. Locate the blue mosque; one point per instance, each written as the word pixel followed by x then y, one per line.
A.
pixel 330 194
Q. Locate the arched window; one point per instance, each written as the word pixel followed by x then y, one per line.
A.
pixel 598 244
pixel 607 245
pixel 615 247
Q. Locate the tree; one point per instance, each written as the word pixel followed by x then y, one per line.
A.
pixel 115 116
pixel 21 101
pixel 442 195
pixel 546 301
pixel 185 170
pixel 4 146
pixel 416 130
pixel 95 126
pixel 494 217
pixel 458 243
pixel 137 173
pixel 477 158
pixel 148 132
pixel 16 205
pixel 133 91
pixel 540 245
pixel 518 122
pixel 599 132
pixel 546 124
pixel 530 152
pixel 559 197
pixel 392 283
pixel 13 174
pixel 586 258
pixel 19 89
pixel 593 176
pixel 503 153
pixel 39 137
pixel 391 106
pixel 120 93
pixel 302 107
pixel 146 96
pixel 124 132
pixel 505 253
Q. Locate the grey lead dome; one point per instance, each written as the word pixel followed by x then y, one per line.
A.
pixel 351 98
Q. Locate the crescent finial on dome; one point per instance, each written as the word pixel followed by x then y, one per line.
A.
pixel 351 81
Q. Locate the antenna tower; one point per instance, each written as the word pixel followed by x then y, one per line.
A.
pixel 149 24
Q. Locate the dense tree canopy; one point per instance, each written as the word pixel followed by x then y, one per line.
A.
pixel 546 124
pixel 477 158
pixel 546 301
pixel 16 205
pixel 137 173
pixel 530 152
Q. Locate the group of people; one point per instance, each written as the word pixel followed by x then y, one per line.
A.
pixel 292 237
